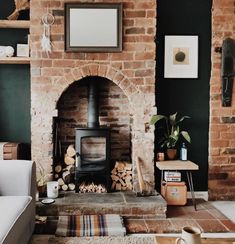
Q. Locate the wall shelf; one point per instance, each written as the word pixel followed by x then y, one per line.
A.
pixel 15 60
pixel 19 24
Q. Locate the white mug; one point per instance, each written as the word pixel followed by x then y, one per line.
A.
pixel 190 235
pixel 52 189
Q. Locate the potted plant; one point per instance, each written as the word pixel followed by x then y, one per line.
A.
pixel 172 133
pixel 42 179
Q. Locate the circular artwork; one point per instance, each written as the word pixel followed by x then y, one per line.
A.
pixel 181 56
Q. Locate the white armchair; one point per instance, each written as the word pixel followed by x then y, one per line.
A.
pixel 17 200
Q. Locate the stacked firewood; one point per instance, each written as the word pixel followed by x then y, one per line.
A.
pixel 64 172
pixel 122 176
pixel 91 187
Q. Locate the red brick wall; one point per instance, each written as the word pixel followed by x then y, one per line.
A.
pixel 113 112
pixel 133 70
pixel 221 183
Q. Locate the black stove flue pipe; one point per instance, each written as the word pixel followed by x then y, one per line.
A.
pixel 93 105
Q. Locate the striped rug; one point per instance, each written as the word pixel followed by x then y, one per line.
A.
pixel 90 225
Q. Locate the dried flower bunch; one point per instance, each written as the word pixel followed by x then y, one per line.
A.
pixel 20 5
pixel 41 176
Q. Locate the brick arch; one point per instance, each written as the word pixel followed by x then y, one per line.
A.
pixel 102 70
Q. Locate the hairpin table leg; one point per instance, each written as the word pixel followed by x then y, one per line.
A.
pixel 190 183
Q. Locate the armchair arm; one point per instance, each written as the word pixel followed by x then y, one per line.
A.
pixel 17 178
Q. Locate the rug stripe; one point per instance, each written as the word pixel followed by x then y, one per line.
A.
pixel 78 227
pixel 96 226
pixel 102 225
pixel 105 226
pixel 90 225
pixel 84 226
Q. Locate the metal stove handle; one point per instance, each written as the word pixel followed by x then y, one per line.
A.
pixel 76 161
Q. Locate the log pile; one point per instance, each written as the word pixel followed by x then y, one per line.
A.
pixel 122 176
pixel 94 188
pixel 64 172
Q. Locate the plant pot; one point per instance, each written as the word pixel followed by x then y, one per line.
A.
pixel 171 153
pixel 42 190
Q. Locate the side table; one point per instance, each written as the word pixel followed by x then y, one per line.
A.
pixel 180 165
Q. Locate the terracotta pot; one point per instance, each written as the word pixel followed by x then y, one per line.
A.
pixel 171 153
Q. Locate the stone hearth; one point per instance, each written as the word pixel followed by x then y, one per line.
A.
pixel 123 203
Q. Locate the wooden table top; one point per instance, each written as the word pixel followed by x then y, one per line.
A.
pixel 176 165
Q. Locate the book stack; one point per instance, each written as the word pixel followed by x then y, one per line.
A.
pixel 172 176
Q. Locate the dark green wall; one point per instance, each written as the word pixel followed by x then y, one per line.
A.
pixel 187 96
pixel 14 86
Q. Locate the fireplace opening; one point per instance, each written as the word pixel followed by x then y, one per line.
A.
pixel 94 116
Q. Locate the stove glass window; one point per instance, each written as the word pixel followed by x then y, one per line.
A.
pixel 93 149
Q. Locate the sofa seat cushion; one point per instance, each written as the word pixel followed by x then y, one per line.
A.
pixel 14 212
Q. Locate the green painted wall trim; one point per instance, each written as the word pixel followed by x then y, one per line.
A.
pixel 14 85
pixel 15 103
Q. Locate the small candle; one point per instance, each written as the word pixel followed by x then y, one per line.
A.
pixel 52 189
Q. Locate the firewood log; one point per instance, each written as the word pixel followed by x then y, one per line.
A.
pixel 122 182
pixel 119 166
pixel 129 186
pixel 113 185
pixel 114 177
pixel 60 182
pixel 66 176
pixel 71 186
pixel 118 187
pixel 128 178
pixel 128 166
pixel 68 160
pixel 58 168
pixel 70 168
pixel 71 151
pixel 64 187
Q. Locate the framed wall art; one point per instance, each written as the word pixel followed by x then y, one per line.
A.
pixel 181 57
pixel 22 50
pixel 93 27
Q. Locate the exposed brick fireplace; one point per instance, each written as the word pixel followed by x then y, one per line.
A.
pixel 129 79
pixel 76 124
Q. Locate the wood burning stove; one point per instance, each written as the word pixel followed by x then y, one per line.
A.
pixel 92 145
pixel 93 155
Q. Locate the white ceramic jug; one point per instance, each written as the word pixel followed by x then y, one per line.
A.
pixel 190 235
pixel 52 189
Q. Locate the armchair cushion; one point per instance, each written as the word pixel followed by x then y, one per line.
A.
pixel 15 211
pixel 17 178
